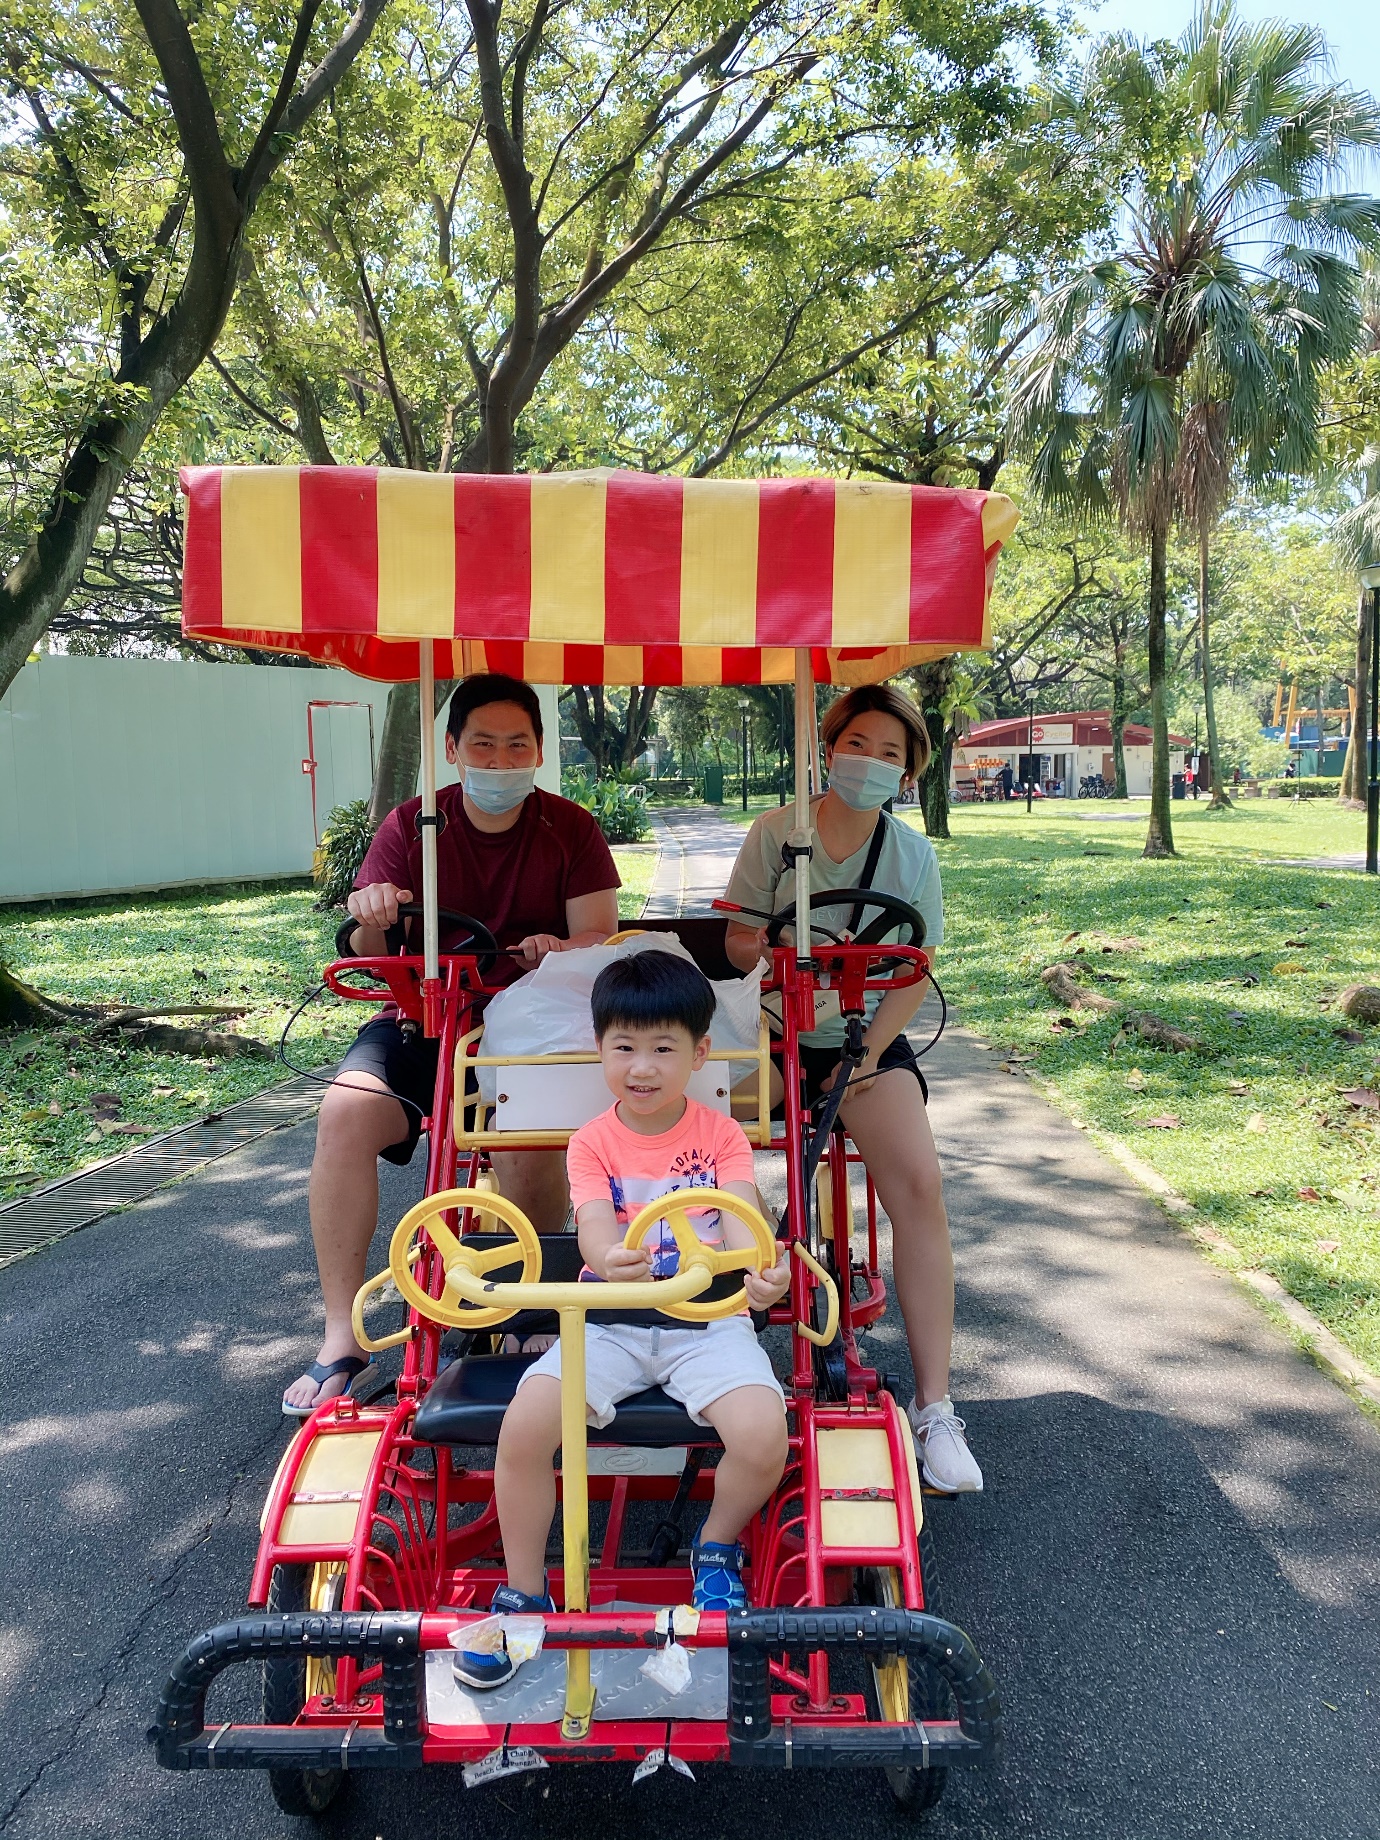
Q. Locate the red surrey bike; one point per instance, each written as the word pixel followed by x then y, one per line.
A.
pixel 380 1543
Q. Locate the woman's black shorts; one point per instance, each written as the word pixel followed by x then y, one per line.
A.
pixel 818 1063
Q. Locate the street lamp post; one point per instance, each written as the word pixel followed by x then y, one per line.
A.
pixel 781 742
pixel 743 706
pixel 1370 578
pixel 1030 755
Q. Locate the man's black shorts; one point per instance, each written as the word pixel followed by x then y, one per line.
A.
pixel 406 1063
pixel 818 1063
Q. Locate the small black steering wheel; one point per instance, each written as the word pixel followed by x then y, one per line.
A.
pixel 895 913
pixel 477 937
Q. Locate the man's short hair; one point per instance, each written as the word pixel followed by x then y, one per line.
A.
pixel 650 990
pixel 491 687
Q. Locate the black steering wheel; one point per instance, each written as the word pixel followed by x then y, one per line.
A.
pixel 895 913
pixel 477 938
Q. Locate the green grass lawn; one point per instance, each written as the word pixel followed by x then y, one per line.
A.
pixel 1261 1109
pixel 637 866
pixel 1239 950
pixel 260 947
pixel 257 946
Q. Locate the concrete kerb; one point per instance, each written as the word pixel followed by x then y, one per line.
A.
pixel 665 895
pixel 660 833
pixel 1332 1355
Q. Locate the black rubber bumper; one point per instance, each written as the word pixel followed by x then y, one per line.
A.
pixel 754 1636
pixel 179 1735
pixel 182 1742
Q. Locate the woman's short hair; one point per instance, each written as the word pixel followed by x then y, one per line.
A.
pixel 652 990
pixel 889 702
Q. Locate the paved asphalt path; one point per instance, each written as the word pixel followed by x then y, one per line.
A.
pixel 1174 1573
pixel 698 850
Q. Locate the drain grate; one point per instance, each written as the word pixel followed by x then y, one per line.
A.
pixel 76 1201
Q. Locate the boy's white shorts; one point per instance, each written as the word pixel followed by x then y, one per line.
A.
pixel 696 1366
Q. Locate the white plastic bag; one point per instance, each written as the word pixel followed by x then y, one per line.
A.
pixel 669 1667
pixel 547 1011
pixel 518 1635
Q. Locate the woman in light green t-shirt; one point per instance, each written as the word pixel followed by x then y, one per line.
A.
pixel 875 743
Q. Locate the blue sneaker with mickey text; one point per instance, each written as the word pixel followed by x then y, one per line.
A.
pixel 472 1668
pixel 718 1575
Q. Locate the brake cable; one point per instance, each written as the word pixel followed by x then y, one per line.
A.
pixel 324 1079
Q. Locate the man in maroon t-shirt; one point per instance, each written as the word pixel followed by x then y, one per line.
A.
pixel 535 869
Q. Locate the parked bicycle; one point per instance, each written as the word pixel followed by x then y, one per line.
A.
pixel 1093 786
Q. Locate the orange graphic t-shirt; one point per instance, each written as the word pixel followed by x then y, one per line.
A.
pixel 608 1162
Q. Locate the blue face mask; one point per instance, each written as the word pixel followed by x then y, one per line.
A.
pixel 862 782
pixel 494 790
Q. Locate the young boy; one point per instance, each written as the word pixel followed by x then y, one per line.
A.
pixel 652 1012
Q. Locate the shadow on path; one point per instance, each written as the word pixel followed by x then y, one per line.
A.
pixel 1173 1572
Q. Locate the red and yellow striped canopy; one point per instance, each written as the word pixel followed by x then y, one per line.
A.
pixel 616 578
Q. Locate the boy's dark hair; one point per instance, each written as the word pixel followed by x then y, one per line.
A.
pixel 491 687
pixel 649 990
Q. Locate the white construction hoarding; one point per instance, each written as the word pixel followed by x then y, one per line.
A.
pixel 118 774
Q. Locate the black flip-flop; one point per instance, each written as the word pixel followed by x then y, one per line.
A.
pixel 321 1372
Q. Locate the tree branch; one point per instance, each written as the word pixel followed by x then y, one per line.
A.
pixel 255 408
pixel 522 60
pixel 401 413
pixel 516 184
pixel 77 192
pixel 560 326
pixel 297 51
pixel 219 210
pixel 319 84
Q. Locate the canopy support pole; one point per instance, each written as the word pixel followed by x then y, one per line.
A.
pixel 431 933
pixel 799 841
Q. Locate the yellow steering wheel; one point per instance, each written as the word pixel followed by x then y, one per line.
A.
pixel 673 1209
pixel 464 1252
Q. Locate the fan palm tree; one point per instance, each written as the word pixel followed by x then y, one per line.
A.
pixel 1232 287
pixel 1357 537
pixel 1203 481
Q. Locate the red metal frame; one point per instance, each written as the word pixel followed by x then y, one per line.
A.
pixel 405 1554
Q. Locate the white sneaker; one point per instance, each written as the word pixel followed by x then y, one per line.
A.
pixel 945 1459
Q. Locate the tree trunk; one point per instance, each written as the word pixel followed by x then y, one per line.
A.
pixel 641 705
pixel 1320 715
pixel 609 740
pixel 23 1007
pixel 601 739
pixel 154 369
pixel 1220 800
pixel 400 748
pixel 400 754
pixel 34 591
pixel 1353 789
pixel 931 683
pixel 1159 840
pixel 1119 790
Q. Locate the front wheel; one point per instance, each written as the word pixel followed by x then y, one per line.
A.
pixel 297 1792
pixel 900 1691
